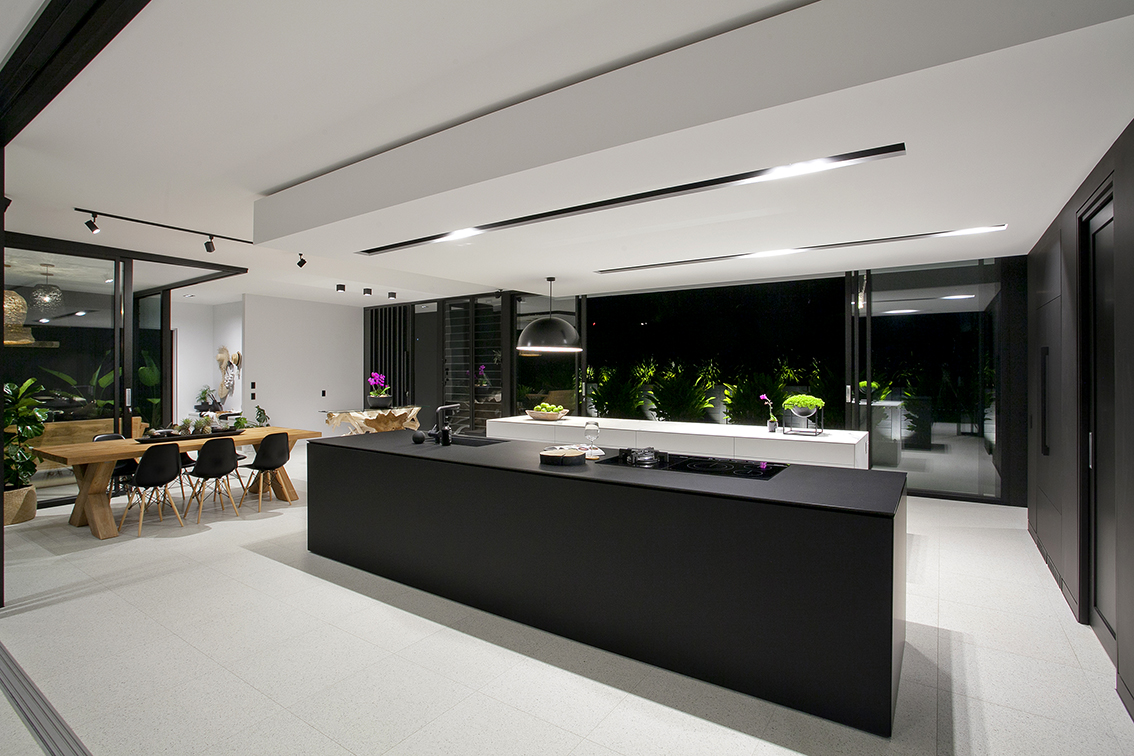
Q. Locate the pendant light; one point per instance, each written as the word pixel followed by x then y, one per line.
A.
pixel 550 334
pixel 46 298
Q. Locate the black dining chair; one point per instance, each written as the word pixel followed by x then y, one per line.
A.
pixel 273 454
pixel 158 468
pixel 215 462
pixel 187 463
pixel 123 471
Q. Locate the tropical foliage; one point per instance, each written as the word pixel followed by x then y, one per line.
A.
pixel 24 417
pixel 803 400
pixel 618 391
pixel 680 393
pixel 743 399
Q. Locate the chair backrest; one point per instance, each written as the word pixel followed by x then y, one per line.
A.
pixel 109 437
pixel 216 459
pixel 273 453
pixel 161 464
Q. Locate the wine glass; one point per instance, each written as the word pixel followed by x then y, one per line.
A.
pixel 590 432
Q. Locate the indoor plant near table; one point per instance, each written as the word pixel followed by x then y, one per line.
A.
pixel 23 421
pixel 379 396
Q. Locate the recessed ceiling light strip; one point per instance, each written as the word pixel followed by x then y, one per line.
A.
pixel 736 179
pixel 817 247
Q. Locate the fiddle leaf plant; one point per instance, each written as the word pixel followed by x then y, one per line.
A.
pixel 23 421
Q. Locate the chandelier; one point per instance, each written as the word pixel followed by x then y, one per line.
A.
pixel 46 298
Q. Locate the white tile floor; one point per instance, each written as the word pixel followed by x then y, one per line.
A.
pixel 229 638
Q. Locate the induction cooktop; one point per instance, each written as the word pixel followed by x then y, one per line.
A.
pixel 733 468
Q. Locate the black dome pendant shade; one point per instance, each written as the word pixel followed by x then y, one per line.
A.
pixel 549 334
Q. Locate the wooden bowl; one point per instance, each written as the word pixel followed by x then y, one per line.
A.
pixel 547 415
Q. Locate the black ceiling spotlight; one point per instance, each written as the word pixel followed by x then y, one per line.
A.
pixel 549 334
pixel 391 295
pixel 368 292
pixel 209 246
pixel 91 223
pixel 301 262
pixel 340 288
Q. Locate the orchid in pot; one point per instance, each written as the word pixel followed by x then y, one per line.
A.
pixel 771 413
pixel 379 396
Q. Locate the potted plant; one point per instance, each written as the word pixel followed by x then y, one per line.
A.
pixel 803 405
pixel 771 413
pixel 482 385
pixel 23 421
pixel 379 396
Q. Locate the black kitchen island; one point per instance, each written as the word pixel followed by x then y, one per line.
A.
pixel 790 589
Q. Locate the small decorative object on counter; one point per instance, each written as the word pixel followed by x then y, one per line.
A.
pixel 379 396
pixel 562 457
pixel 772 424
pixel 545 411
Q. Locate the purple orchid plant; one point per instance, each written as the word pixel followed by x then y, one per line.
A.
pixel 481 377
pixel 378 386
pixel 771 409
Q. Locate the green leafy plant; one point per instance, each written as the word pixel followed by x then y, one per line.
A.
pixel 803 400
pixel 185 427
pixel 617 391
pixel 96 388
pixel 23 421
pixel 878 391
pixel 680 393
pixel 743 399
pixel 261 417
pixel 203 395
pixel 149 376
pixel 240 423
pixel 202 425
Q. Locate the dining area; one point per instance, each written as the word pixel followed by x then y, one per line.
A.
pixel 148 469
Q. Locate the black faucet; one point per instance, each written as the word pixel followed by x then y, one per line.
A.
pixel 442 433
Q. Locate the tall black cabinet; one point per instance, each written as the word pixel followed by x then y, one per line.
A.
pixel 1081 403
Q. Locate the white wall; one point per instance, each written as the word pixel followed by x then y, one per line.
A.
pixel 294 351
pixel 194 365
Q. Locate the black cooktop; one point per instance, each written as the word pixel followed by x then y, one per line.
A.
pixel 733 468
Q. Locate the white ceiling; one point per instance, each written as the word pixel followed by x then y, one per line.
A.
pixel 198 110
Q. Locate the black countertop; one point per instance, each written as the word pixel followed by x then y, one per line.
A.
pixel 872 492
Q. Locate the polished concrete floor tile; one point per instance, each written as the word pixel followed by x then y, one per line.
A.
pixel 969 727
pixel 483 726
pixel 712 703
pixel 919 660
pixel 571 702
pixel 377 708
pixel 1039 637
pixel 641 727
pixel 17 740
pixel 282 734
pixel 591 748
pixel 915 729
pixel 460 657
pixel 1118 719
pixel 295 668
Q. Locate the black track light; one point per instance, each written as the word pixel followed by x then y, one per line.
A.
pixel 209 246
pixel 391 295
pixel 301 262
pixel 340 288
pixel 368 292
pixel 91 223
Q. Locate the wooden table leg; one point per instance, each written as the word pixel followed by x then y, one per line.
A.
pixel 92 505
pixel 282 487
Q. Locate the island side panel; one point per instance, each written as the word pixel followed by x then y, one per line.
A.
pixel 791 604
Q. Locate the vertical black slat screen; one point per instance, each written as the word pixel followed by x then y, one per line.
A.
pixel 391 350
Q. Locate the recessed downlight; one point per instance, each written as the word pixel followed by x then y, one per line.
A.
pixel 80 313
pixel 188 296
pixel 45 320
pixel 463 233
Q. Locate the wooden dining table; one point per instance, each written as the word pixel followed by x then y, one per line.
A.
pixel 93 463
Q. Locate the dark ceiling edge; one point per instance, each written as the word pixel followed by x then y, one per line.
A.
pixel 13 240
pixel 67 35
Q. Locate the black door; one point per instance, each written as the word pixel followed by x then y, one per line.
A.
pixel 1101 419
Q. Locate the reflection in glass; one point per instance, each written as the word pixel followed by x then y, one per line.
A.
pixel 935 375
pixel 550 377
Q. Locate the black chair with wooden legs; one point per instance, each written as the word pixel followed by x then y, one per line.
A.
pixel 273 454
pixel 160 466
pixel 215 462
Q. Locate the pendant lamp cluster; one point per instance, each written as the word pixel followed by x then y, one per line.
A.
pixel 549 334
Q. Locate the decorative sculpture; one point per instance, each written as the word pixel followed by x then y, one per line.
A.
pixel 229 365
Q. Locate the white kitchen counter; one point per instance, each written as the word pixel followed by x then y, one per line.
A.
pixel 834 448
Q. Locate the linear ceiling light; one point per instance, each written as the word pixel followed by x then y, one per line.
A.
pixel 835 245
pixel 960 296
pixel 736 179
pixel 94 229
